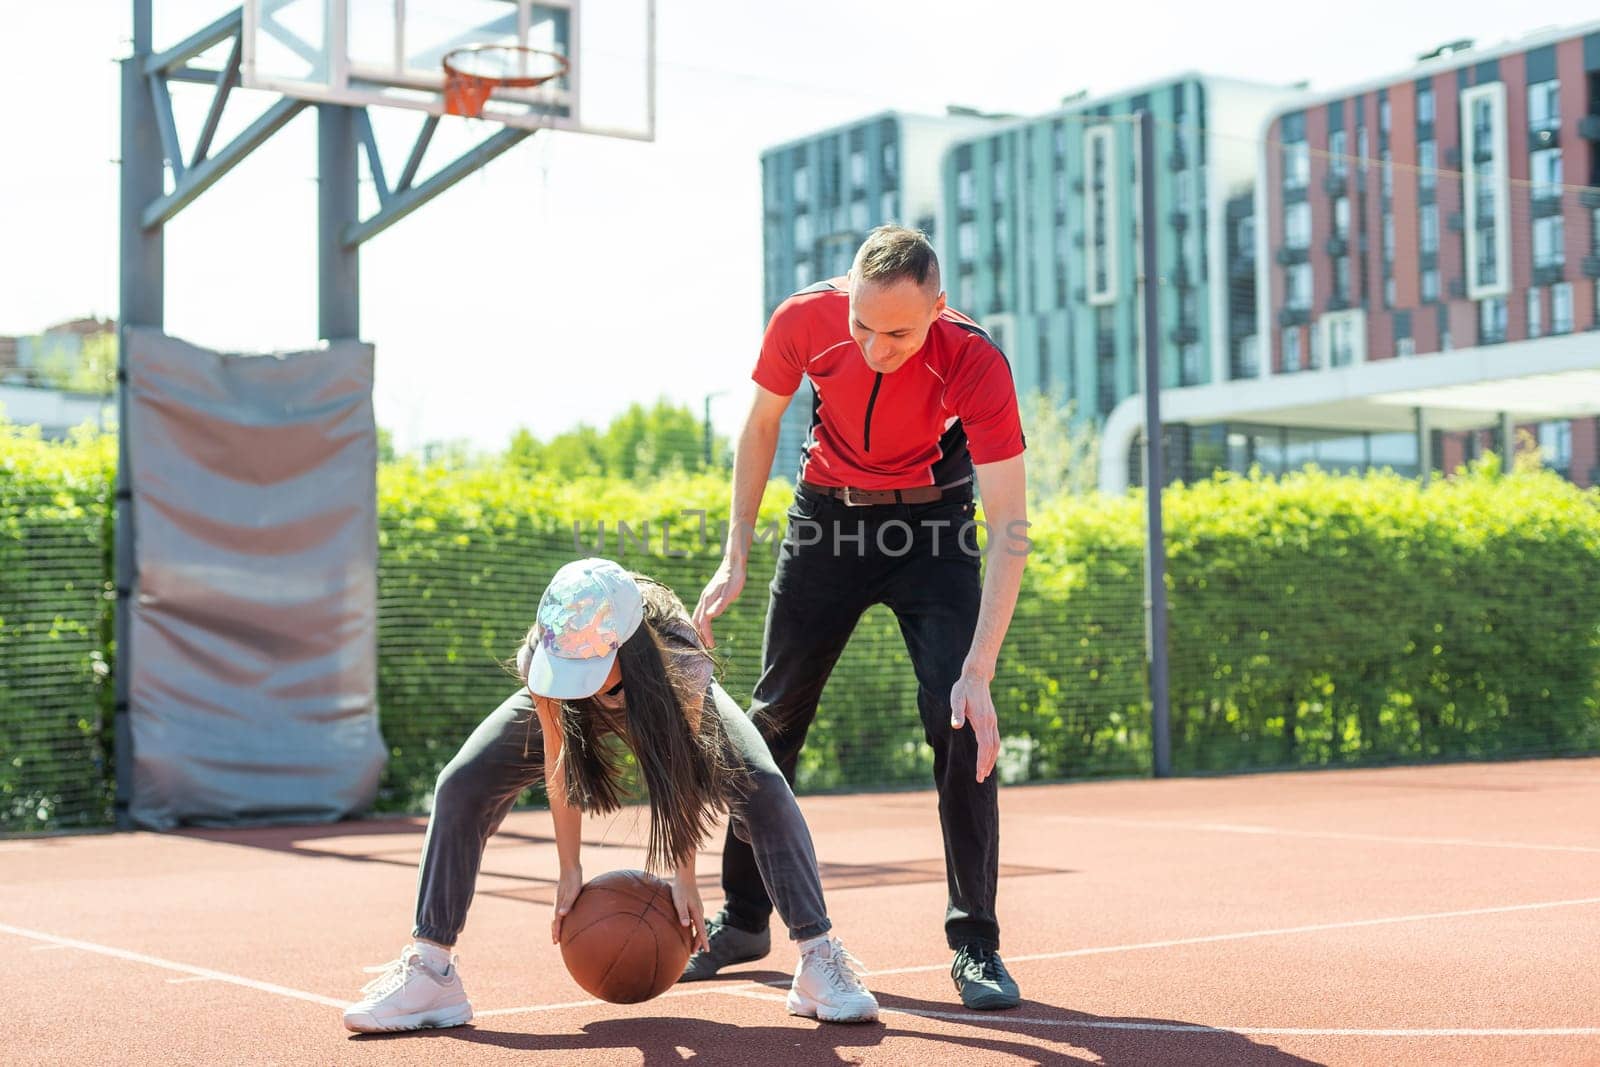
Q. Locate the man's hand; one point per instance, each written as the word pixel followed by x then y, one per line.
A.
pixel 970 703
pixel 691 912
pixel 719 595
pixel 568 886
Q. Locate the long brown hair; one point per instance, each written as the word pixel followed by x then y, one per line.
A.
pixel 690 775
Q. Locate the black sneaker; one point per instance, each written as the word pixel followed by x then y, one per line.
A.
pixel 729 945
pixel 982 979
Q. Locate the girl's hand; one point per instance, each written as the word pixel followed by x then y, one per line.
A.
pixel 567 888
pixel 691 912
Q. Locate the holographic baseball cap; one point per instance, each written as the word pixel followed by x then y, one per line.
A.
pixel 590 607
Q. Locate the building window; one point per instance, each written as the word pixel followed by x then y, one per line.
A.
pixel 888 207
pixel 1297 286
pixel 1492 320
pixel 1386 172
pixel 1383 115
pixel 1245 360
pixel 1430 286
pixel 1555 444
pixel 802 184
pixel 1387 238
pixel 1405 346
pixel 1483 134
pixel 1338 153
pixel 1535 313
pixel 1429 227
pixel 1428 164
pixel 1561 308
pixel 1044 364
pixel 1549 249
pixel 1389 292
pixel 1184 187
pixel 967 242
pixel 1100 243
pixel 1341 278
pixel 802 274
pixel 1425 109
pixel 1341 218
pixel 1544 106
pixel 1344 335
pixel 1362 155
pixel 1296 165
pixel 968 293
pixel 1297 225
pixel 1291 349
pixel 802 230
pixel 891 158
pixel 1001 176
pixel 1545 168
pixel 858 170
pixel 859 216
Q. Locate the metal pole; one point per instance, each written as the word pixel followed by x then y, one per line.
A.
pixel 1508 442
pixel 1155 474
pixel 1424 445
pixel 706 432
pixel 338 206
pixel 140 303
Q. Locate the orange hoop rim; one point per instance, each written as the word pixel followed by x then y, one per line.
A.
pixel 465 93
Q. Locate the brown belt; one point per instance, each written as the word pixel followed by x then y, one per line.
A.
pixel 859 498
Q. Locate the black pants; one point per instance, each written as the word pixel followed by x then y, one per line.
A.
pixel 921 561
pixel 505 755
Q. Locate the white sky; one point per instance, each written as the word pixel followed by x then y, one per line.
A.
pixel 602 272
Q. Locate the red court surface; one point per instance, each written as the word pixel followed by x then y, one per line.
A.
pixel 1419 915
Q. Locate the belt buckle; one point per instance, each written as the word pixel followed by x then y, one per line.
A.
pixel 849 502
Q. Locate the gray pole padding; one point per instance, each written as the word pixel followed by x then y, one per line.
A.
pixel 254 695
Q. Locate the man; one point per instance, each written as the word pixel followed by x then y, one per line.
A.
pixel 912 402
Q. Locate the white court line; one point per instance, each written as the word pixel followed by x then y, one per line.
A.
pixel 1327 835
pixel 46 948
pixel 182 968
pixel 751 987
pixel 989 1018
pixel 1274 932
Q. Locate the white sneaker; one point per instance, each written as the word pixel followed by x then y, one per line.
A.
pixel 827 986
pixel 408 995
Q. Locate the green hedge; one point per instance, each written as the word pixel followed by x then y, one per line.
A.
pixel 1316 620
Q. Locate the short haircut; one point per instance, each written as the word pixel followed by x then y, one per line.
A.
pixel 892 253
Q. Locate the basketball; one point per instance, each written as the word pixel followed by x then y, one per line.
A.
pixel 622 941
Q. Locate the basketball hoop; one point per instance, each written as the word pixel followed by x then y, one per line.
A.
pixel 471 75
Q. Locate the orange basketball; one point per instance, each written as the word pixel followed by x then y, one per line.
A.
pixel 622 941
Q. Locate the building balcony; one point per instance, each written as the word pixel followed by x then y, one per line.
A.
pixel 1242 324
pixel 1546 202
pixel 1591 266
pixel 1177 159
pixel 1293 194
pixel 1337 246
pixel 1288 257
pixel 1428 260
pixel 1425 131
pixel 1105 344
pixel 1427 194
pixel 1293 317
pixel 1452 157
pixel 1179 220
pixel 1458 289
pixel 1339 302
pixel 1242 265
pixel 1185 333
pixel 1484 153
pixel 1589 127
pixel 1335 182
pixel 1538 140
pixel 1548 273
pixel 1456 222
pixel 1589 198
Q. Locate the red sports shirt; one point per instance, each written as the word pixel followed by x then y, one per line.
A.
pixel 949 406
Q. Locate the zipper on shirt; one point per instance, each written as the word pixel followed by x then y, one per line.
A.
pixel 866 432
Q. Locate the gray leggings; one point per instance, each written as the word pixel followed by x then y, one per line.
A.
pixel 505 755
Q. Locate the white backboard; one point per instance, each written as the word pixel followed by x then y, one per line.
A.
pixel 389 53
